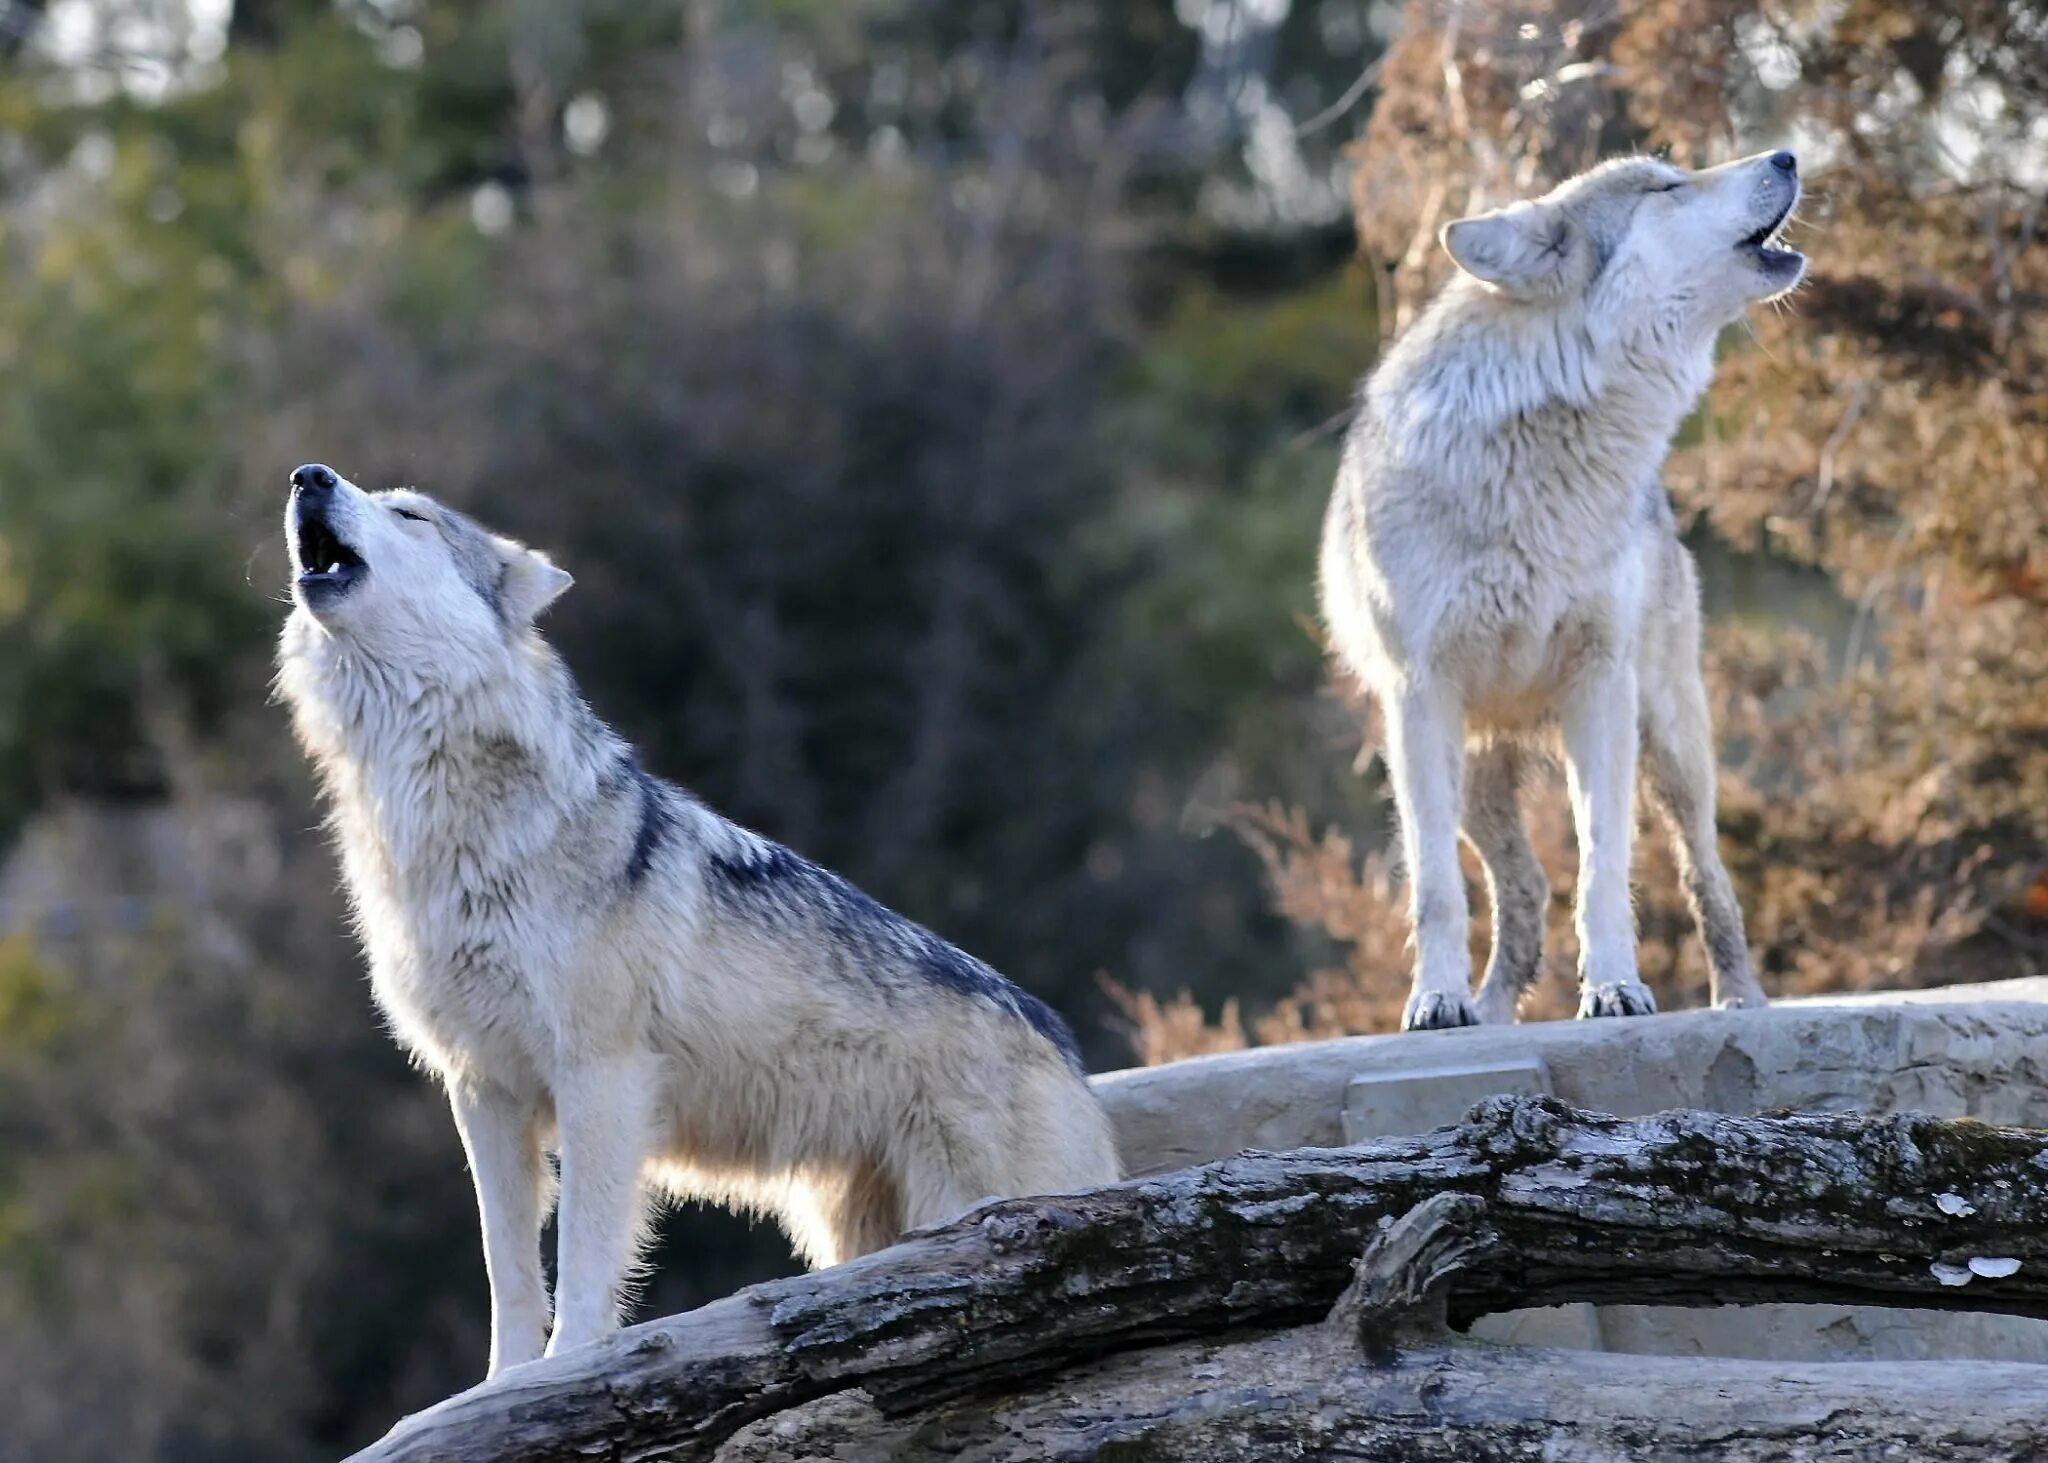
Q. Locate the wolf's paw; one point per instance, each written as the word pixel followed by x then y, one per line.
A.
pixel 1434 1011
pixel 1617 998
pixel 1749 1000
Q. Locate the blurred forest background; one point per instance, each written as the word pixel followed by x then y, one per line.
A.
pixel 936 401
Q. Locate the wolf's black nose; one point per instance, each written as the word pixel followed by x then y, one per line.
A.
pixel 1784 162
pixel 314 477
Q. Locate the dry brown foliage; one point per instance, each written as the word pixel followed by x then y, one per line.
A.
pixel 1885 789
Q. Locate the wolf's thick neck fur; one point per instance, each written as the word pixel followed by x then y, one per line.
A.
pixel 1481 377
pixel 409 758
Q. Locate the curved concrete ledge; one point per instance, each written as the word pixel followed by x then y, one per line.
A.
pixel 1963 1051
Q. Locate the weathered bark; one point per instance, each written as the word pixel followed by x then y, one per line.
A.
pixel 1292 1395
pixel 1539 1204
pixel 1382 1378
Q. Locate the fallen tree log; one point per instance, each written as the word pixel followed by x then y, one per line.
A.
pixel 1289 1395
pixel 1537 1204
pixel 1383 1378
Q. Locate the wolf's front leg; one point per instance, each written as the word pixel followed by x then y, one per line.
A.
pixel 603 1114
pixel 1426 760
pixel 500 1135
pixel 1599 723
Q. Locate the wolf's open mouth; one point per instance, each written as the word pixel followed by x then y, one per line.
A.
pixel 1763 235
pixel 1763 240
pixel 325 563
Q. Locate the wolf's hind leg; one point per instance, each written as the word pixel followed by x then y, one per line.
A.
pixel 853 1212
pixel 1678 772
pixel 500 1135
pixel 1516 888
pixel 603 1111
pixel 1425 752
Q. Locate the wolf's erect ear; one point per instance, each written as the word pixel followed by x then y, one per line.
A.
pixel 1524 249
pixel 530 584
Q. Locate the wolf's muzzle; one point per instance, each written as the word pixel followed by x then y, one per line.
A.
pixel 328 567
pixel 1781 266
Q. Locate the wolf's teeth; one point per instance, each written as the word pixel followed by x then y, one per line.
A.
pixel 335 567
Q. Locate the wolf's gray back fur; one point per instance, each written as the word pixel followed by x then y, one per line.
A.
pixel 1500 566
pixel 595 962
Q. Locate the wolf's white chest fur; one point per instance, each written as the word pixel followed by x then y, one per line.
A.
pixel 453 849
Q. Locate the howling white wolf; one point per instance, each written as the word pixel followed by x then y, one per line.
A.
pixel 1500 565
pixel 597 964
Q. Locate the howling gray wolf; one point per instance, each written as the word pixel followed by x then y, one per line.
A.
pixel 1500 565
pixel 597 964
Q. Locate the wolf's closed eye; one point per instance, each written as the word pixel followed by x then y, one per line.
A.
pixel 1665 188
pixel 415 517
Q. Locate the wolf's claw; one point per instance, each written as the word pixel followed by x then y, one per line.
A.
pixel 1617 998
pixel 1434 1011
